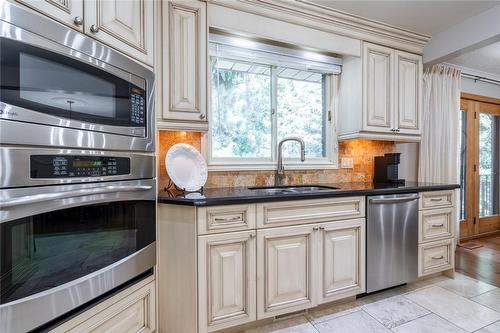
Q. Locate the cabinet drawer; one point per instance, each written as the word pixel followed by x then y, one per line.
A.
pixel 435 224
pixel 436 199
pixel 132 310
pixel 226 218
pixel 309 211
pixel 435 257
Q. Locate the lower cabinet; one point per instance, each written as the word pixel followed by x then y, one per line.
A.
pixel 341 259
pixel 285 269
pixel 226 275
pixel 132 310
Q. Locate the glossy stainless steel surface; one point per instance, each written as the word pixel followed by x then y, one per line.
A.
pixel 15 166
pixel 29 127
pixel 294 189
pixel 31 312
pixel 27 201
pixel 391 240
pixel 279 176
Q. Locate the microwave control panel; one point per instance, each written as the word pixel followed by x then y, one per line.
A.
pixel 137 106
pixel 69 166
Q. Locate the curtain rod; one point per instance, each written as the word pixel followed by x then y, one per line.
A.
pixel 480 78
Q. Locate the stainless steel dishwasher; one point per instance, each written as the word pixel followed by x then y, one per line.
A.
pixel 391 240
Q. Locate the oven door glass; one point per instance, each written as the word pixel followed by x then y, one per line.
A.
pixel 53 84
pixel 44 251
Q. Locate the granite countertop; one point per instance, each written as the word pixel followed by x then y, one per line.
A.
pixel 238 195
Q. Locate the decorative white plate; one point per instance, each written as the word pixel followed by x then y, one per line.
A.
pixel 186 167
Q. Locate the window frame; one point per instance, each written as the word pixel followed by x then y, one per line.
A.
pixel 330 161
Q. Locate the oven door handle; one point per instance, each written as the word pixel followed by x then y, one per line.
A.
pixel 30 199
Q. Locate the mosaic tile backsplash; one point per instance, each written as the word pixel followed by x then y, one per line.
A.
pixel 362 151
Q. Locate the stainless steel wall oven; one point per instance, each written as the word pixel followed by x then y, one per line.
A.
pixel 65 238
pixel 68 89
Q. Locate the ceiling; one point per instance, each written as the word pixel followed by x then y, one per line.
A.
pixel 426 17
pixel 486 59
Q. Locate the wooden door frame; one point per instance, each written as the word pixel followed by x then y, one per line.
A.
pixel 471 227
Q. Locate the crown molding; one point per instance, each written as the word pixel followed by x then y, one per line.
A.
pixel 319 17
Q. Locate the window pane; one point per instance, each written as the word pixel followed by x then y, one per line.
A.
pixel 300 112
pixel 489 136
pixel 241 110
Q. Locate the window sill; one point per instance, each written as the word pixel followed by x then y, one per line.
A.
pixel 256 166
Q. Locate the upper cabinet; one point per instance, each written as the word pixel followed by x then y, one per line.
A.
pixel 390 95
pixel 125 25
pixel 184 61
pixel 69 12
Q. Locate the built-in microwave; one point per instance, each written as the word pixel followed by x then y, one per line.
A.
pixel 59 87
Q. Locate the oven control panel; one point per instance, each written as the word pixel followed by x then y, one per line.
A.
pixel 69 166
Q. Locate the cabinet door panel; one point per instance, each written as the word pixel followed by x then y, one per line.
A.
pixel 125 25
pixel 65 11
pixel 341 259
pixel 227 274
pixel 378 88
pixel 185 62
pixel 285 270
pixel 408 92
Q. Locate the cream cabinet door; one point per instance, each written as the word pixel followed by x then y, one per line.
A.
pixel 285 270
pixel 378 88
pixel 408 78
pixel 341 259
pixel 226 276
pixel 185 61
pixel 69 12
pixel 126 25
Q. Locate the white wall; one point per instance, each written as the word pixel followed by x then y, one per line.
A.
pixel 480 88
pixel 408 168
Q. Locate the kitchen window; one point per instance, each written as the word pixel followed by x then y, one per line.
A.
pixel 262 93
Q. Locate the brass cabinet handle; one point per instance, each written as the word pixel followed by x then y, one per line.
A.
pixel 94 28
pixel 78 20
pixel 441 257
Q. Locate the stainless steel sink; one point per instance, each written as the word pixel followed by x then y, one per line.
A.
pixel 294 189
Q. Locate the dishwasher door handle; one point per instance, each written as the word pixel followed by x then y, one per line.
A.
pixel 393 200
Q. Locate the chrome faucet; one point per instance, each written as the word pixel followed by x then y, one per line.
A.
pixel 279 176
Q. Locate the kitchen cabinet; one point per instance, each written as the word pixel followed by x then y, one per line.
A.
pixel 69 12
pixel 124 25
pixel 436 230
pixel 127 26
pixel 341 259
pixel 285 270
pixel 244 262
pixel 226 278
pixel 387 104
pixel 131 310
pixel 184 62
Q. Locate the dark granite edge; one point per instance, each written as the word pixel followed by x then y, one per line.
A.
pixel 300 196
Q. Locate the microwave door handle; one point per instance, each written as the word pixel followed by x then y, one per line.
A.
pixel 30 199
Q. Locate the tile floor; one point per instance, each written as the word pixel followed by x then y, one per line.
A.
pixel 436 305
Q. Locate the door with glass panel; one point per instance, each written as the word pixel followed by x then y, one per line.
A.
pixel 480 166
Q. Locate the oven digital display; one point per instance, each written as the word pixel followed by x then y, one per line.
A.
pixel 69 166
pixel 86 164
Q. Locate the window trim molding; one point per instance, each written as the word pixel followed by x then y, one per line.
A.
pixel 256 164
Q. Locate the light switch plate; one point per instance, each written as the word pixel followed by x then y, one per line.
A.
pixel 346 162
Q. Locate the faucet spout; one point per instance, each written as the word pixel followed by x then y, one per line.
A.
pixel 280 171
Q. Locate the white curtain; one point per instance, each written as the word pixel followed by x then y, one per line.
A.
pixel 440 144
